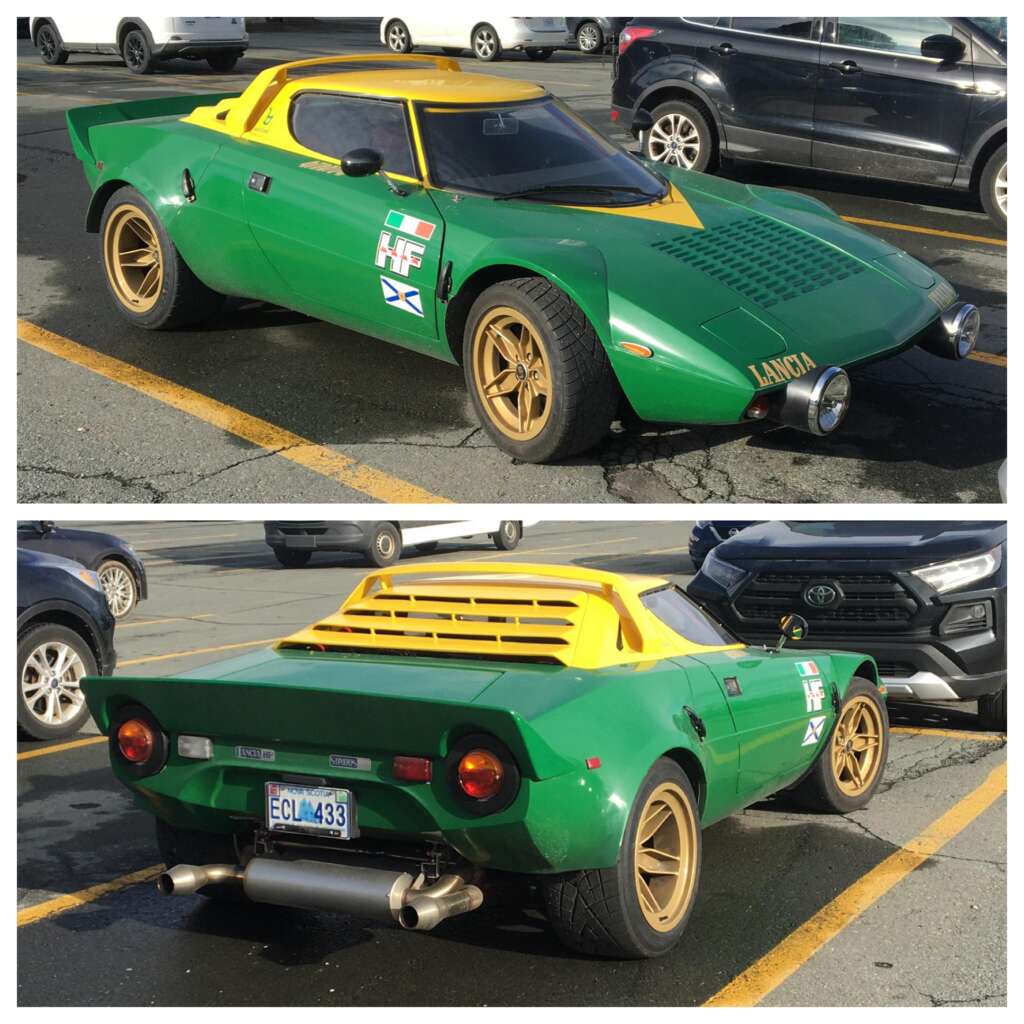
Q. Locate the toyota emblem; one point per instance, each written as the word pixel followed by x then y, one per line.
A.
pixel 821 595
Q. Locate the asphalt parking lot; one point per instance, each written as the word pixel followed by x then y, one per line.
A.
pixel 342 417
pixel 912 889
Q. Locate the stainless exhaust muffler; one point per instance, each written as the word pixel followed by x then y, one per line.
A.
pixel 322 885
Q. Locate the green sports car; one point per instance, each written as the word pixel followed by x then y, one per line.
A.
pixel 478 220
pixel 458 731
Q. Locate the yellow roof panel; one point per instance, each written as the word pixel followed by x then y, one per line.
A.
pixel 425 85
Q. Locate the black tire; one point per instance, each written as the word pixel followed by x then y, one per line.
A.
pixel 509 534
pixel 598 912
pixel 584 391
pixel 589 37
pixel 292 559
pixel 30 723
pixel 223 62
pixel 189 846
pixel 428 547
pixel 183 299
pixel 706 158
pixel 127 579
pixel 989 187
pixel 136 53
pixel 538 52
pixel 49 45
pixel 452 51
pixel 992 711
pixel 485 44
pixel 398 37
pixel 385 547
pixel 819 789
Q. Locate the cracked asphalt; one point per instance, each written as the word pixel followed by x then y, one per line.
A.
pixel 937 938
pixel 920 429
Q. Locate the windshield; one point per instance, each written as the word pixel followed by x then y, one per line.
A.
pixel 537 147
pixel 993 27
pixel 682 616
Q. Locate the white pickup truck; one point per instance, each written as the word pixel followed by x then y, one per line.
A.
pixel 142 42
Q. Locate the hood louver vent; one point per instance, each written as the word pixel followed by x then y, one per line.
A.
pixel 766 262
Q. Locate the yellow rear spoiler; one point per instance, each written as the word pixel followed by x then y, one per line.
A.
pixel 260 93
pixel 612 586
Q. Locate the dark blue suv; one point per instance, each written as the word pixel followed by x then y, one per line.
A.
pixel 915 99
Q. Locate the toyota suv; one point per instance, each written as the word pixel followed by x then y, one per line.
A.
pixel 926 600
pixel 905 99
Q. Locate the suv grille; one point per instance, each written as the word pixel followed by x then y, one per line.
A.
pixel 877 600
pixel 761 259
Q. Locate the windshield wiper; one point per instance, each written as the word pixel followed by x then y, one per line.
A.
pixel 601 190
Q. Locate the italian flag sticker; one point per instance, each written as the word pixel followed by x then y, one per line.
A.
pixel 807 668
pixel 409 225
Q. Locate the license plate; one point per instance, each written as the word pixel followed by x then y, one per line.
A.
pixel 311 810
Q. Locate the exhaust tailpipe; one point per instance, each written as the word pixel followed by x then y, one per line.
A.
pixel 321 885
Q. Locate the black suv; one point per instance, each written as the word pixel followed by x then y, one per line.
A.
pixel 906 99
pixel 65 632
pixel 927 600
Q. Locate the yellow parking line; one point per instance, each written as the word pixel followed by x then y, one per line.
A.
pixel 316 457
pixel 926 231
pixel 952 734
pixel 159 622
pixel 58 747
pixel 197 650
pixel 766 974
pixel 988 357
pixel 77 899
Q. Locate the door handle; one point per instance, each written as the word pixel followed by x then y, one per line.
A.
pixel 845 67
pixel 723 49
pixel 259 182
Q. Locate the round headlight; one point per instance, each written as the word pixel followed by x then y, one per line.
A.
pixel 829 402
pixel 962 323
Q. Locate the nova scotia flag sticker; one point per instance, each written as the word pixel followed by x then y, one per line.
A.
pixel 401 296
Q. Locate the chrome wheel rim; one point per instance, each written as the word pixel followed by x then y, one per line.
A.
pixel 485 43
pixel 1000 189
pixel 857 746
pixel 511 373
pixel 50 683
pixel 397 37
pixel 665 857
pixel 589 39
pixel 132 258
pixel 674 139
pixel 119 587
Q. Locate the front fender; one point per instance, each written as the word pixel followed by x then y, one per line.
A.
pixel 847 664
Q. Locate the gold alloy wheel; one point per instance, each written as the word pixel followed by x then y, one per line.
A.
pixel 132 258
pixel 857 746
pixel 665 857
pixel 511 372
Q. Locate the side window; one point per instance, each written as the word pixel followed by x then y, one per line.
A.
pixel 894 35
pixel 333 125
pixel 682 616
pixel 791 28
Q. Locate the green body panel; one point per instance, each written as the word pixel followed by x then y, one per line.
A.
pixel 770 275
pixel 306 706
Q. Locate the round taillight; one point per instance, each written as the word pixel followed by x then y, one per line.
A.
pixel 135 740
pixel 480 774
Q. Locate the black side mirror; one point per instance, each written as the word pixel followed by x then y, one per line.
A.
pixel 792 627
pixel 358 163
pixel 947 49
pixel 47 526
pixel 642 122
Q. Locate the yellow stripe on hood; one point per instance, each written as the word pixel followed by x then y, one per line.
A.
pixel 672 209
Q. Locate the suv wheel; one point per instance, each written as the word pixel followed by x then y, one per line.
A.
pixel 398 38
pixel 680 137
pixel 992 711
pixel 993 186
pixel 52 660
pixel 486 44
pixel 119 586
pixel 589 37
pixel 136 53
pixel 49 46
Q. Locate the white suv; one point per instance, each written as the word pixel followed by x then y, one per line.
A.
pixel 486 37
pixel 142 42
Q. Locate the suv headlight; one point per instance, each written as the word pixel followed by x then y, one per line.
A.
pixel 724 573
pixel 946 576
